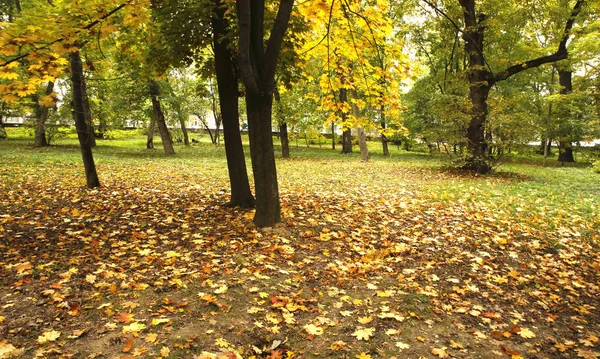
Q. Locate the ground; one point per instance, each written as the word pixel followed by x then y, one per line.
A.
pixel 392 258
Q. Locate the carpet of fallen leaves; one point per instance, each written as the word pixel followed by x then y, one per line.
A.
pixel 367 263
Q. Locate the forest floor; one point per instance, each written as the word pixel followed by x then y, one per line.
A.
pixel 395 258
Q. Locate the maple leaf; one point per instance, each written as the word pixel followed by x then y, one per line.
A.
pixel 440 352
pixel 587 354
pixel 49 336
pixel 164 352
pixel 134 327
pixel 363 334
pixel 151 337
pixel 128 345
pixel 220 342
pixel 402 346
pixel 363 355
pixel 338 345
pixel 313 329
pixel 8 350
pixel 125 317
pixel 526 333
pixel 365 320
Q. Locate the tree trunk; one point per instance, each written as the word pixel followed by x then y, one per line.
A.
pixel 285 142
pixel 347 134
pixel 384 139
pixel 160 119
pixel 565 149
pixel 268 210
pixel 42 115
pixel 88 114
pixel 227 84
pixel 186 138
pixel 362 136
pixel 283 131
pixel 333 136
pixel 257 65
pixel 150 140
pixel 80 120
pixel 2 129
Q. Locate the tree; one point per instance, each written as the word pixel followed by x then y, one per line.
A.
pixel 257 65
pixel 41 117
pixel 481 78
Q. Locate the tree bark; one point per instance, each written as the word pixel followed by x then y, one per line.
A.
pixel 565 149
pixel 227 84
pixel 160 119
pixel 285 141
pixel 42 116
pixel 347 134
pixel 362 136
pixel 384 139
pixel 283 131
pixel 88 114
pixel 186 138
pixel 80 120
pixel 150 139
pixel 3 134
pixel 257 69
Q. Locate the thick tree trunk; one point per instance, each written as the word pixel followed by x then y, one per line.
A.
pixel 285 141
pixel 362 136
pixel 42 116
pixel 565 149
pixel 227 83
pixel 165 136
pixel 80 120
pixel 263 160
pixel 186 138
pixel 258 64
pixel 151 129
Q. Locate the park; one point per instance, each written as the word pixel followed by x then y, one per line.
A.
pixel 280 179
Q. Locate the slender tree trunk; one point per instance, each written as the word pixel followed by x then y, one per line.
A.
pixel 88 114
pixel 80 120
pixel 165 136
pixel 151 129
pixel 347 134
pixel 283 132
pixel 263 160
pixel 42 116
pixel 362 136
pixel 227 84
pixel 186 138
pixel 333 136
pixel 384 139
pixel 285 142
pixel 3 134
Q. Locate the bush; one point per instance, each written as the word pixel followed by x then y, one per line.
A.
pixel 596 167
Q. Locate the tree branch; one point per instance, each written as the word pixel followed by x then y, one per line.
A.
pixel 560 54
pixel 275 40
pixel 247 73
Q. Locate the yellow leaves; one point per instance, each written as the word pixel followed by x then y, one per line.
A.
pixel 363 334
pixel 221 290
pixel 526 333
pixel 587 354
pixel 402 346
pixel 365 320
pixel 164 352
pixel 8 75
pixel 134 328
pixel 440 352
pixel 151 338
pixel 363 355
pixel 8 350
pixel 312 329
pixel 158 321
pixel 48 336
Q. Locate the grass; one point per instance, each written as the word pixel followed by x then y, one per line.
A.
pixel 426 257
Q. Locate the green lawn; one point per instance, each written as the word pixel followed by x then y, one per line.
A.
pixel 397 257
